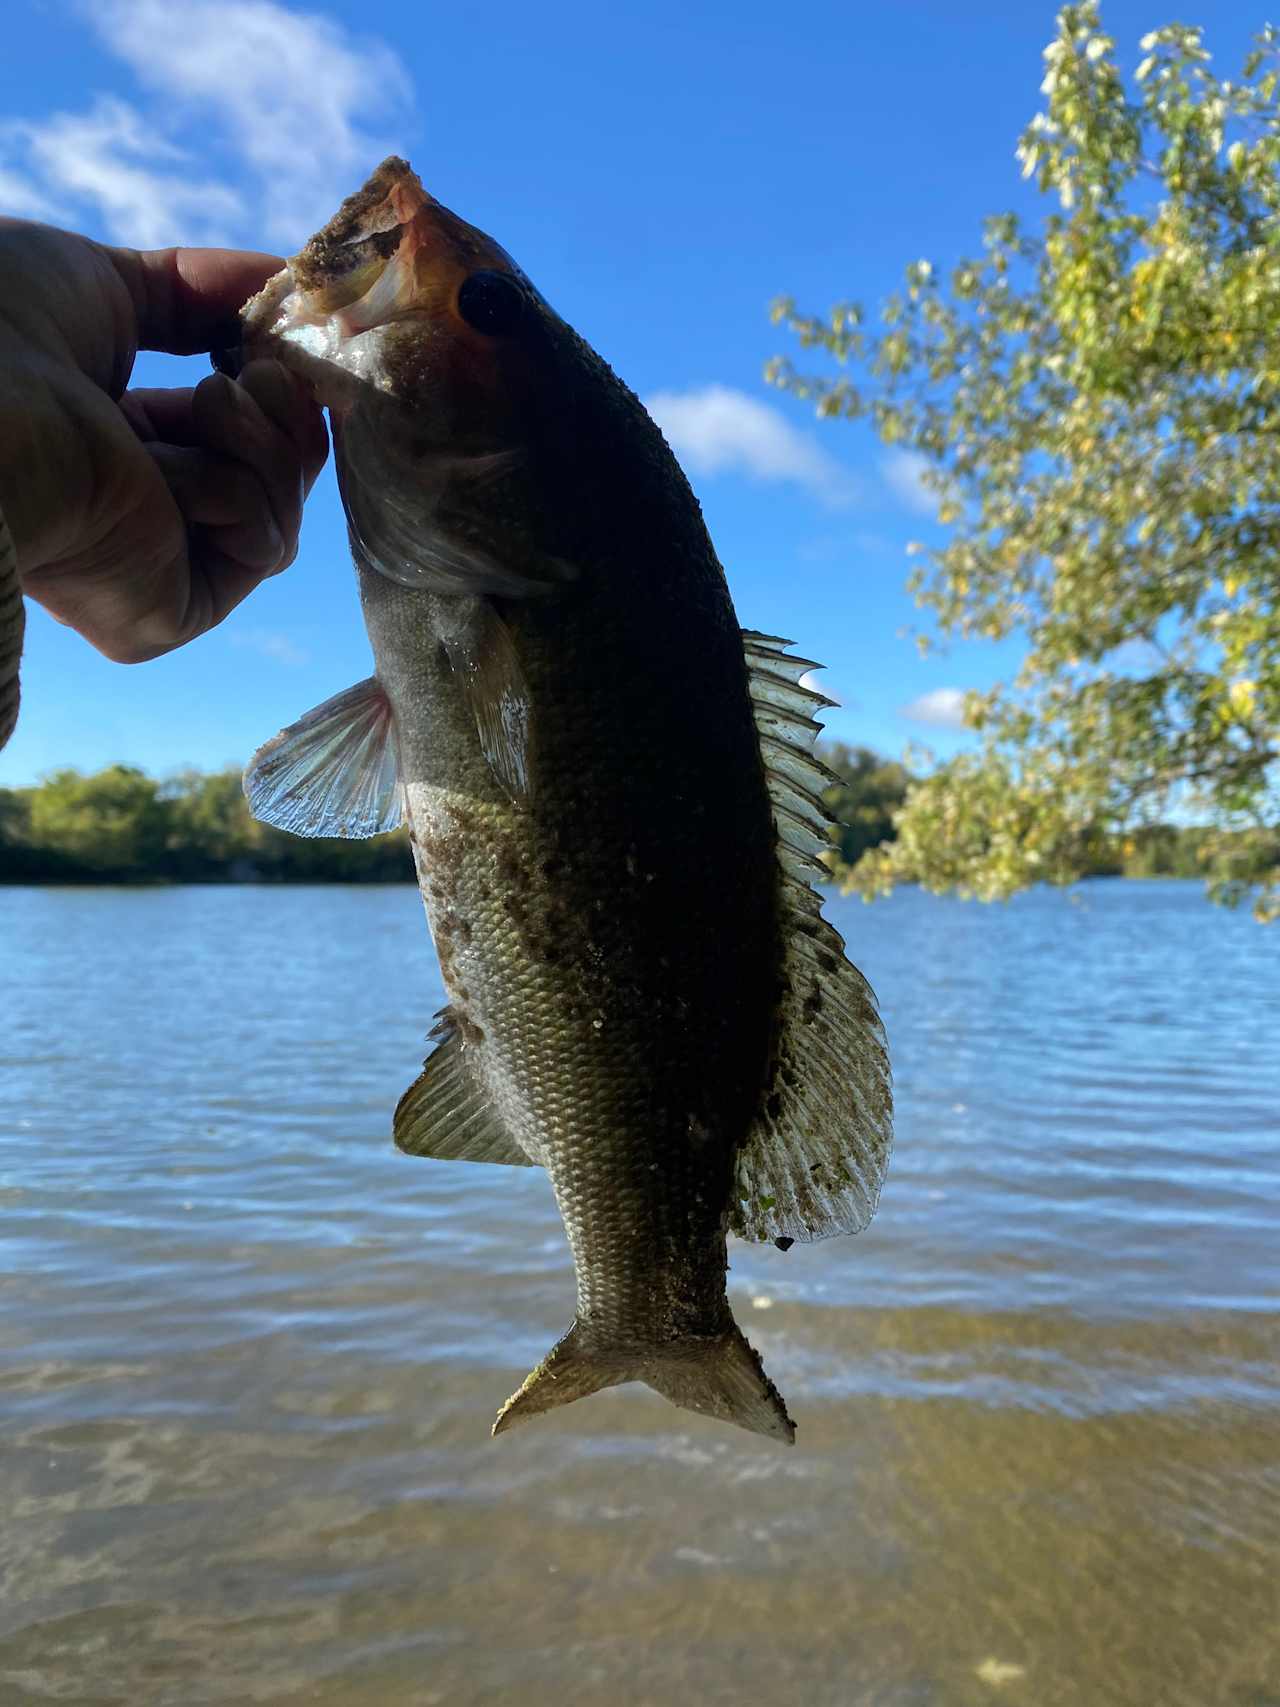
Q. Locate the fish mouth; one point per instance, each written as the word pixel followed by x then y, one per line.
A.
pixel 390 253
pixel 359 272
pixel 349 257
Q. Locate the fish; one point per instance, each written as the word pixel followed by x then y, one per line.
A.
pixel 611 793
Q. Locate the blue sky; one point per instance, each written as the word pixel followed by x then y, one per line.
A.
pixel 661 171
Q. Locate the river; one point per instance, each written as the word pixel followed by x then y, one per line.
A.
pixel 249 1354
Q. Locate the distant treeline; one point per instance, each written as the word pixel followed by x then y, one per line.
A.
pixel 119 825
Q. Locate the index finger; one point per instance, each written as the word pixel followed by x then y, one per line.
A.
pixel 184 298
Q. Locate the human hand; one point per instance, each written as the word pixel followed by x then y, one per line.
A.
pixel 141 518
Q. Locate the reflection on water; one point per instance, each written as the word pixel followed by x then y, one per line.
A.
pixel 249 1355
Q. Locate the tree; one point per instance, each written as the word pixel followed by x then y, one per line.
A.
pixel 209 826
pixel 863 800
pixel 113 821
pixel 119 824
pixel 1097 406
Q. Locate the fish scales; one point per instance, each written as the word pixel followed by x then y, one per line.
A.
pixel 628 1047
pixel 564 714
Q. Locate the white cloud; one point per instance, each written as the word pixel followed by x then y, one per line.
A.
pixel 278 647
pixel 721 431
pixel 23 199
pixel 904 473
pixel 106 157
pixel 280 99
pixel 942 707
pixel 287 88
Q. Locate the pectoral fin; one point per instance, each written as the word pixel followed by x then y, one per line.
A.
pixel 447 1115
pixel 482 652
pixel 333 772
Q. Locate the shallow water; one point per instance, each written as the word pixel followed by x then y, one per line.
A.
pixel 249 1355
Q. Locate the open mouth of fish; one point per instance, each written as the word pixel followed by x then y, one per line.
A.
pixel 368 268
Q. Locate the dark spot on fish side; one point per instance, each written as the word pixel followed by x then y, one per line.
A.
pixel 784 1243
pixel 827 961
pixel 774 1105
pixel 512 870
pixel 443 854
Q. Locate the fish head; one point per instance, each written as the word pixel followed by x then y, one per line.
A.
pixel 398 296
pixel 435 356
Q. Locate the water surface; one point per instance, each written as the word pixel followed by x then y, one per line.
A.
pixel 249 1355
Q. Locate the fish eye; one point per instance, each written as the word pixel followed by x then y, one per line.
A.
pixel 492 303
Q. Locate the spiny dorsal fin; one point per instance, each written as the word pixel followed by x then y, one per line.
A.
pixel 333 772
pixel 814 1161
pixel 447 1115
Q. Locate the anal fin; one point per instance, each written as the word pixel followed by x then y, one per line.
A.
pixel 447 1115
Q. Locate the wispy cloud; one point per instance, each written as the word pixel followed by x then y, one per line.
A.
pixel 717 430
pixel 107 157
pixel 903 471
pixel 290 105
pixel 22 198
pixel 289 89
pixel 858 551
pixel 942 707
pixel 270 644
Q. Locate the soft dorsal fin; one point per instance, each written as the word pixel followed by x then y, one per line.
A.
pixel 814 1160
pixel 333 772
pixel 447 1115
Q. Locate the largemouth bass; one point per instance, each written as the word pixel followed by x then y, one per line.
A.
pixel 611 796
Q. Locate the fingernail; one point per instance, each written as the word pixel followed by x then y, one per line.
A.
pixel 226 352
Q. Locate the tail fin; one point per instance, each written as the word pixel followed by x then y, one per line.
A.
pixel 721 1377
